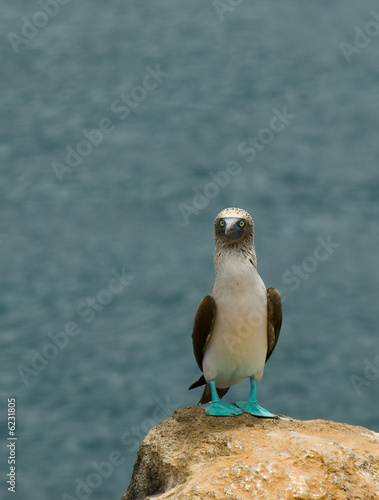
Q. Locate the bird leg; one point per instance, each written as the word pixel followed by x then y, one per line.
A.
pixel 251 406
pixel 217 408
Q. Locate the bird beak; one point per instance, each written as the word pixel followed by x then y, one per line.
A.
pixel 232 230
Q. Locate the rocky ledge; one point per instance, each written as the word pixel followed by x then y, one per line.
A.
pixel 193 456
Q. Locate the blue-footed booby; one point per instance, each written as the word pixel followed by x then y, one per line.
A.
pixel 236 326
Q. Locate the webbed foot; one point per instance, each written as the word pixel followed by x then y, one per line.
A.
pixel 219 409
pixel 257 410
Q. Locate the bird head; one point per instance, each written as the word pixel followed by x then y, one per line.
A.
pixel 234 225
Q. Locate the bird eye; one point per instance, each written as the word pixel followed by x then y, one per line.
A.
pixel 222 223
pixel 242 223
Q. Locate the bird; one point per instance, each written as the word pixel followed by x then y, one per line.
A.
pixel 237 325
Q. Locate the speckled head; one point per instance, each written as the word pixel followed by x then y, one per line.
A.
pixel 234 234
pixel 234 226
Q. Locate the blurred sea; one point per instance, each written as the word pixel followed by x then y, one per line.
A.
pixel 118 211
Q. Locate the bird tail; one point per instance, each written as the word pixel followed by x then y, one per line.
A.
pixel 207 394
pixel 198 383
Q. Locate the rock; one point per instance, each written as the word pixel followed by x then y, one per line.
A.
pixel 194 456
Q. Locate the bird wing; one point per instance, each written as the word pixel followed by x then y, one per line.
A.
pixel 274 319
pixel 202 327
pixel 201 334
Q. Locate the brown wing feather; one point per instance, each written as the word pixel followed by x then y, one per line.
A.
pixel 201 333
pixel 274 319
pixel 202 327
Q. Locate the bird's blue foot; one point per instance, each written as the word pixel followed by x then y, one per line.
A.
pixel 251 406
pixel 218 409
pixel 258 411
pixel 255 409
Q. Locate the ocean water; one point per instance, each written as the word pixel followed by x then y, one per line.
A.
pixel 259 95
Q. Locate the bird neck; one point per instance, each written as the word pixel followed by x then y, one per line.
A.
pixel 241 257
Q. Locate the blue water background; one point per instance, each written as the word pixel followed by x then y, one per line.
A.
pixel 119 209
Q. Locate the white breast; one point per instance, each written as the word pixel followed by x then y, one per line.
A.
pixel 238 346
